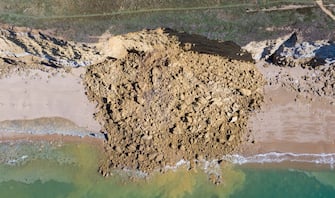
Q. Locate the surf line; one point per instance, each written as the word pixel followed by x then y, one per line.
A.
pixel 276 157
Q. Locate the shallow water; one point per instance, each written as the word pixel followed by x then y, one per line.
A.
pixel 42 169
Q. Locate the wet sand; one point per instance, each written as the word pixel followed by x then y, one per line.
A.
pixel 49 106
pixel 16 137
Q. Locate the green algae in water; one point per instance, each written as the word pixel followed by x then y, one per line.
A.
pixel 49 176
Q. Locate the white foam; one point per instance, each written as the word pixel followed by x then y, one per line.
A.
pixel 180 163
pixel 17 161
pixel 275 157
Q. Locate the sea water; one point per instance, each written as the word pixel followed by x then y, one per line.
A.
pixel 44 169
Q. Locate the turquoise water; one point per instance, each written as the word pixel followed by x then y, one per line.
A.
pixel 260 183
pixel 286 183
pixel 69 170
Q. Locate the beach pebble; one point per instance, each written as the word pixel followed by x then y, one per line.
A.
pixel 132 147
pixel 159 157
pixel 118 149
pixel 245 92
pixel 233 119
pixel 231 138
pixel 140 158
pixel 147 137
pixel 199 157
pixel 182 147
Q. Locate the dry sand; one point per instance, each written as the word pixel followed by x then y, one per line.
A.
pixel 36 94
pixel 286 124
pixel 298 114
pixel 292 120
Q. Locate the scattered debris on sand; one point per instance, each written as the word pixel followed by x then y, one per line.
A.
pixel 292 51
pixel 306 68
pixel 160 102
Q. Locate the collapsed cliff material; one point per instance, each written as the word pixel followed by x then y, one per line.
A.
pixel 306 68
pixel 160 103
pixel 36 49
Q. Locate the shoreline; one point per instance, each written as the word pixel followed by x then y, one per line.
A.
pixel 294 166
pixel 18 137
pixel 297 159
pixel 289 121
pixel 213 168
pixel 47 137
pixel 246 158
pixel 265 157
pixel 46 126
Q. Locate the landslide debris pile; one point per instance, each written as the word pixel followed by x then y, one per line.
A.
pixel 159 101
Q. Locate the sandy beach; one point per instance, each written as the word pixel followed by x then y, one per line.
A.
pixel 170 99
pixel 287 124
pixel 38 94
pixel 160 99
pixel 291 121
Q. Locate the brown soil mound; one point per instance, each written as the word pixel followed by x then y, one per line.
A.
pixel 160 103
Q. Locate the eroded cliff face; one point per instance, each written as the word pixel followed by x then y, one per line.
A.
pixel 22 48
pixel 304 67
pixel 160 100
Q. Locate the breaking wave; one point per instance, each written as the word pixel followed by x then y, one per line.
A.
pixel 275 157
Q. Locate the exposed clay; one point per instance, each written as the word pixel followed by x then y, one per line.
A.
pixel 160 103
